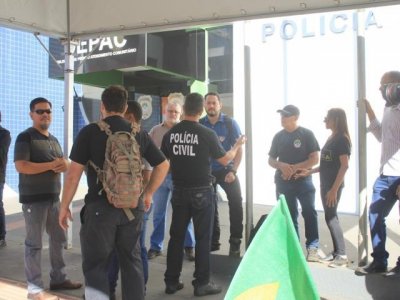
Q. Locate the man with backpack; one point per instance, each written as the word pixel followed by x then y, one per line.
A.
pixel 108 221
pixel 228 132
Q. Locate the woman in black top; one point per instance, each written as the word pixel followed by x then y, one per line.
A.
pixel 333 165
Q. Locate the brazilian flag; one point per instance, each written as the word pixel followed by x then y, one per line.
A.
pixel 274 266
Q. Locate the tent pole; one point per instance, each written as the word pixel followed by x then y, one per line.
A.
pixel 362 149
pixel 69 49
pixel 248 145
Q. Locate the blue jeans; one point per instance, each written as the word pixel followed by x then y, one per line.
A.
pixel 38 217
pixel 113 268
pixel 383 199
pixel 2 214
pixel 160 203
pixel 196 203
pixel 304 191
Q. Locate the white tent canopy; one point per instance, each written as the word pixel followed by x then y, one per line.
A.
pixel 93 18
pixel 83 19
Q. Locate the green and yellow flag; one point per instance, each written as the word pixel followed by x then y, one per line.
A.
pixel 274 266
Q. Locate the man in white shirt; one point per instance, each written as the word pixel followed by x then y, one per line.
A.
pixel 384 191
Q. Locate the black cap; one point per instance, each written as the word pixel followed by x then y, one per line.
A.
pixel 289 110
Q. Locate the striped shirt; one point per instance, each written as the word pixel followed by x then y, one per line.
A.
pixel 33 146
pixel 388 133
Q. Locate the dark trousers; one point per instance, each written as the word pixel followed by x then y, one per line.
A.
pixel 104 229
pixel 2 214
pixel 302 190
pixel 196 203
pixel 113 268
pixel 332 221
pixel 234 195
pixel 383 198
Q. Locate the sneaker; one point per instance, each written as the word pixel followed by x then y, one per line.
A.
pixel 189 253
pixel 153 253
pixel 3 243
pixel 329 257
pixel 173 288
pixel 207 289
pixel 393 273
pixel 234 250
pixel 312 255
pixel 339 261
pixel 373 267
pixel 42 296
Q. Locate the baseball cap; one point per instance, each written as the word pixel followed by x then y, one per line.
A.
pixel 289 110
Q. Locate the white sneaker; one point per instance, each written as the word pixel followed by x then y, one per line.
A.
pixel 339 261
pixel 312 255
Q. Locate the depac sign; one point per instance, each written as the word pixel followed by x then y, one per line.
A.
pixel 336 23
pixel 86 47
pixel 100 54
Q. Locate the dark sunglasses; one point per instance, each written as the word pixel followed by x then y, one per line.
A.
pixel 42 111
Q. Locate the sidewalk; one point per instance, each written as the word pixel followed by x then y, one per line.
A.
pixel 332 284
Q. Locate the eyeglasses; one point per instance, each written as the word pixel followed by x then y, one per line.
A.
pixel 42 111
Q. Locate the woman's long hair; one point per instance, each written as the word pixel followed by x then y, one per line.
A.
pixel 339 118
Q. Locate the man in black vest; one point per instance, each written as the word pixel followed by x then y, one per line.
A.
pixel 39 160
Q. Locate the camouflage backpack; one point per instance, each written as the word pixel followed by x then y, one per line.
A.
pixel 121 175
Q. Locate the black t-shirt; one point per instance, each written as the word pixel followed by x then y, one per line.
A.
pixel 293 147
pixel 330 159
pixel 190 147
pixel 90 144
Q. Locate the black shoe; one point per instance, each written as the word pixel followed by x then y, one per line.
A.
pixel 153 253
pixel 173 288
pixel 393 273
pixel 189 253
pixel 214 247
pixel 234 250
pixel 3 243
pixel 207 289
pixel 373 267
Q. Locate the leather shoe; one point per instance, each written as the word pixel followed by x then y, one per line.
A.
pixel 66 285
pixel 42 296
pixel 207 289
pixel 373 268
pixel 153 253
pixel 173 288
